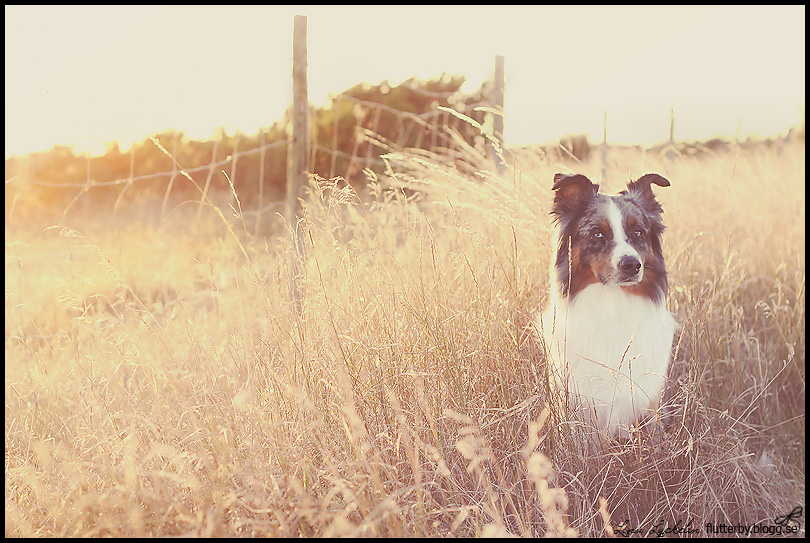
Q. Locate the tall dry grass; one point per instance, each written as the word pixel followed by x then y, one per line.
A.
pixel 159 383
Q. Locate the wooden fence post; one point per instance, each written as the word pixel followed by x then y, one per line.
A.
pixel 261 182
pixel 604 148
pixel 297 156
pixel 672 124
pixel 497 104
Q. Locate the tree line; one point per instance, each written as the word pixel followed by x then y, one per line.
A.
pixel 401 116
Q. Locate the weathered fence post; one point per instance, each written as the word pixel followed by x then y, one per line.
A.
pixel 604 148
pixel 497 104
pixel 261 183
pixel 672 124
pixel 297 156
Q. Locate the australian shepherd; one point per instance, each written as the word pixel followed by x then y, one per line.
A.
pixel 607 331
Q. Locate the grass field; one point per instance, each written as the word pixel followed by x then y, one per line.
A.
pixel 159 383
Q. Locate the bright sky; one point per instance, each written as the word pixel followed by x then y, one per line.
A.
pixel 85 75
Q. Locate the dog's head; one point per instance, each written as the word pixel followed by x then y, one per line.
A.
pixel 613 240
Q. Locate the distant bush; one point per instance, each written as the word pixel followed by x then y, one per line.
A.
pixel 400 116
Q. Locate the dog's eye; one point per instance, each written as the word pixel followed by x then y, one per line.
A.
pixel 638 233
pixel 597 234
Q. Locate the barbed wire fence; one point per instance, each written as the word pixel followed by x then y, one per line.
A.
pixel 431 129
pixel 430 123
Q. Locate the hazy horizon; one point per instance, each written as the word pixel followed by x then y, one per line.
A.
pixel 83 76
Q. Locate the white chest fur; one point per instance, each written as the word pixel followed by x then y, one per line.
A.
pixel 615 349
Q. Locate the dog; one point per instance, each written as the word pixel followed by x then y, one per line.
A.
pixel 607 331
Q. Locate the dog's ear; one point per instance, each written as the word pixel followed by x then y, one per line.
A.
pixel 642 188
pixel 562 180
pixel 651 178
pixel 572 191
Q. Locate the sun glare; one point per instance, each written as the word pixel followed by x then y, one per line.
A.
pixel 73 78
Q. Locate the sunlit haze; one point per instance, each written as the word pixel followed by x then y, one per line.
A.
pixel 84 76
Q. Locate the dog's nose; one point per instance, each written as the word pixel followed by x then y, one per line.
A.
pixel 629 265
